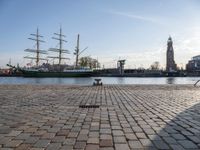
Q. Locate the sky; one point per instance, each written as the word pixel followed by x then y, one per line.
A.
pixel 135 30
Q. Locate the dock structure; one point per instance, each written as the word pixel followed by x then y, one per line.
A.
pixel 109 117
pixel 120 66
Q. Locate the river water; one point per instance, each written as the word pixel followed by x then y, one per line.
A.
pixel 105 80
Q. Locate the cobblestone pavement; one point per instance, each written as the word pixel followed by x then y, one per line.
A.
pixel 128 117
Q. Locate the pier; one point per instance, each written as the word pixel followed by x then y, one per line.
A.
pixel 108 117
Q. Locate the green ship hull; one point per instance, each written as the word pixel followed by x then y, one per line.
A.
pixel 40 74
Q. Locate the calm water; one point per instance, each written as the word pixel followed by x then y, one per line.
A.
pixel 106 80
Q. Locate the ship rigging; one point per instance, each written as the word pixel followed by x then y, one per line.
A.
pixel 37 50
pixel 77 51
pixel 59 50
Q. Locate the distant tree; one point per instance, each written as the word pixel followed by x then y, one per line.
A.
pixel 84 61
pixel 155 66
pixel 89 62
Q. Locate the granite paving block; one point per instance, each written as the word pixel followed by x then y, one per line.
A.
pixel 187 144
pixel 106 143
pixel 53 146
pixel 92 147
pixel 13 143
pixel 122 147
pixel 80 145
pixel 41 143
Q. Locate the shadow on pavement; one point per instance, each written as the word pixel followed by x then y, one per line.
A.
pixel 182 132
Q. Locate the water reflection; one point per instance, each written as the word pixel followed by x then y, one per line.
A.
pixel 120 80
pixel 83 81
pixel 171 80
pixel 37 80
pixel 105 80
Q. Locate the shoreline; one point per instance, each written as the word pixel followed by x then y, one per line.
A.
pixel 134 86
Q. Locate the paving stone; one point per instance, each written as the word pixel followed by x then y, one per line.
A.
pixel 141 135
pixel 122 147
pixel 178 136
pixel 119 139
pixel 41 143
pixel 106 148
pixel 23 147
pixel 106 143
pixel 54 130
pixel 127 130
pixel 82 137
pixel 30 130
pixel 31 140
pixel 37 149
pixel 116 127
pixel 67 147
pixel 70 141
pixel 48 136
pixel 195 139
pixel 105 131
pixel 39 133
pixel 117 133
pixel 146 142
pixel 80 145
pixel 92 147
pixel 5 130
pixel 131 136
pixel 106 136
pixel 176 147
pixel 93 140
pixel 5 140
pixel 72 134
pixel 58 139
pixel 14 133
pixel 62 133
pixel 161 144
pixel 53 146
pixel 187 144
pixel 7 148
pixel 135 144
pixel 22 136
pixel 13 143
pixel 94 134
pixel 170 140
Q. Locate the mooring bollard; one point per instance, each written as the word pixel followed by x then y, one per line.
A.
pixel 97 82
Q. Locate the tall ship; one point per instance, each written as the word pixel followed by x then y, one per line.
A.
pixel 54 70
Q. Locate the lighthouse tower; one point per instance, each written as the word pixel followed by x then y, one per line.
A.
pixel 170 65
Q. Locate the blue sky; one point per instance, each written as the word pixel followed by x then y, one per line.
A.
pixel 135 30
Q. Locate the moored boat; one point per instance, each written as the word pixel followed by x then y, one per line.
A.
pixel 58 70
pixel 68 73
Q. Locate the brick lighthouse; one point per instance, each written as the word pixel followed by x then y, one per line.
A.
pixel 171 65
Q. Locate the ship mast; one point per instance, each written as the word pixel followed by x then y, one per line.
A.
pixel 77 51
pixel 59 50
pixel 37 50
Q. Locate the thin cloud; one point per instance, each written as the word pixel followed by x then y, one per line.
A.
pixel 136 17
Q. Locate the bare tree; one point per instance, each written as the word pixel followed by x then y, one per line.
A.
pixel 155 66
pixel 89 62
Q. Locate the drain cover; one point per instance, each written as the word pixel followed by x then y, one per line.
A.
pixel 88 106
